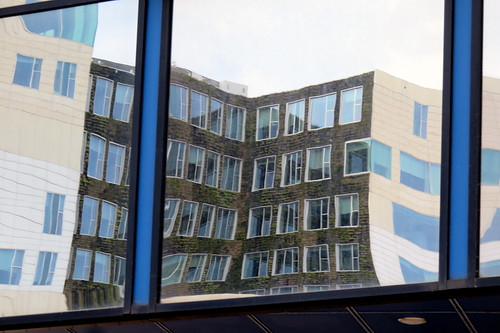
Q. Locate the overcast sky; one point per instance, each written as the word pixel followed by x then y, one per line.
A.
pixel 117 31
pixel 277 45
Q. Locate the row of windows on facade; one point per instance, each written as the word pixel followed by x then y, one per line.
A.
pixel 321 114
pixel 11 266
pixel 103 95
pixel 54 214
pixel 107 219
pixel 316 217
pixel 102 267
pixel 361 156
pixel 115 159
pixel 295 289
pixel 316 259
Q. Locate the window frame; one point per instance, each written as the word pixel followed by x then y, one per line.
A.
pixel 329 163
pixel 196 166
pixel 305 259
pixel 31 83
pixel 285 164
pixel 217 167
pixel 295 270
pixel 270 122
pixel 198 267
pixel 168 232
pixel 191 222
pixel 202 116
pixel 306 213
pixel 245 259
pixel 183 160
pixel 220 116
pixel 186 111
pixel 112 223
pixel 310 113
pixel 338 261
pixel 177 269
pixel 94 225
pixel 227 263
pixel 250 223
pixel 266 173
pixel 337 210
pixel 127 108
pixel 211 220
pixel 240 163
pixel 368 158
pixel 287 114
pixel 107 99
pixel 229 108
pixel 86 265
pixel 99 175
pixel 70 83
pixel 218 231
pixel 121 166
pixel 354 105
pixel 295 218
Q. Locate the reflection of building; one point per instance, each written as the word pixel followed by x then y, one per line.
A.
pixel 96 275
pixel 331 186
pixel 490 180
pixel 43 82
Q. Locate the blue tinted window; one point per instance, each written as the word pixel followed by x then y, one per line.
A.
pixel 64 82
pixel 414 274
pixel 493 232
pixel 11 265
pixel 45 268
pixel 89 216
pixel 82 265
pixel 490 167
pixel 102 97
pixel 177 105
pixel 114 166
pixel 123 102
pixel 381 158
pixel 420 175
pixel 108 219
pixel 96 157
pixel 54 207
pixel 420 229
pixel 350 109
pixel 77 23
pixel 420 120
pixel 27 71
pixel 101 267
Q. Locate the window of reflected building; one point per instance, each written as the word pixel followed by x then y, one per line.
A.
pixel 318 164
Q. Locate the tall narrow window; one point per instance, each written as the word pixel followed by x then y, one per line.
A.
pixel 259 222
pixel 226 223
pixel 288 218
pixel 350 107
pixel 116 160
pixel 123 102
pixel 347 210
pixel 96 156
pixel 321 111
pixel 11 266
pixel 420 120
pixel 119 271
pixel 45 268
pixel 177 105
pixel 286 261
pixel 347 257
pixel 212 177
pixel 175 158
pixel 108 219
pixel 267 122
pixel 217 270
pixel 316 258
pixel 123 227
pixel 101 267
pixel 195 268
pixel 263 176
pixel 28 71
pixel 195 164
pixel 169 215
pixel 255 264
pixel 206 220
pixel 171 268
pixel 231 174
pixel 188 218
pixel 54 208
pixel 64 82
pixel 89 216
pixel 235 123
pixel 318 163
pixel 294 121
pixel 89 90
pixel 215 116
pixel 199 106
pixel 84 148
pixel 82 265
pixel 291 168
pixel 102 96
pixel 317 211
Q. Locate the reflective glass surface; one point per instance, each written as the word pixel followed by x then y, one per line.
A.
pixel 318 165
pixel 63 164
pixel 489 236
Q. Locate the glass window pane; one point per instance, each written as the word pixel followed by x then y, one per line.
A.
pixel 62 156
pixel 310 158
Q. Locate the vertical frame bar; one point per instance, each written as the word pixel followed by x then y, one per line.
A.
pixel 147 156
pixel 460 140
